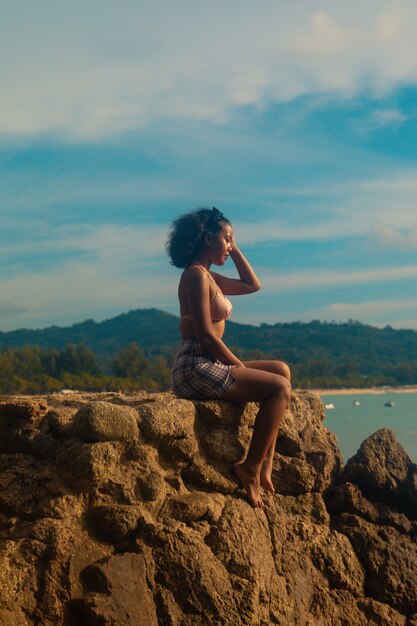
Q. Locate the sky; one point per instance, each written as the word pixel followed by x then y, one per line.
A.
pixel 296 119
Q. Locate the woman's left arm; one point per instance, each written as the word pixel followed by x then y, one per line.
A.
pixel 248 281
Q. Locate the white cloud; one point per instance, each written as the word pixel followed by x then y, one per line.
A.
pixel 76 290
pixel 103 242
pixel 86 70
pixel 115 268
pixel 388 117
pixel 398 313
pixel 363 310
pixel 381 210
pixel 311 279
pixel 8 309
pixel 321 230
pixel 395 238
pixel 408 323
pixel 405 182
pixel 111 268
pixel 380 118
pixel 324 38
pixel 92 69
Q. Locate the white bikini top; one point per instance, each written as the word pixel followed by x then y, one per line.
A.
pixel 220 306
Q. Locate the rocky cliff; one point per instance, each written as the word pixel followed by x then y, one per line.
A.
pixel 122 510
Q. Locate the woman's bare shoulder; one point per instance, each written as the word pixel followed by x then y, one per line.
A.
pixel 192 276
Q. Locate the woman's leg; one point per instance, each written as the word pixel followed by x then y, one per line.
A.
pixel 275 367
pixel 273 391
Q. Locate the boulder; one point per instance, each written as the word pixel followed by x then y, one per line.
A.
pixel 116 592
pixel 125 510
pixel 104 421
pixel 389 559
pixel 384 471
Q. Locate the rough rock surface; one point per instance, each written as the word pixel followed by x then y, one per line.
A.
pixel 123 510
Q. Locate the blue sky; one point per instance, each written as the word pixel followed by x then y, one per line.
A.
pixel 298 120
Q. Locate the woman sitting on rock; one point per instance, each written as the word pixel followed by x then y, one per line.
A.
pixel 204 367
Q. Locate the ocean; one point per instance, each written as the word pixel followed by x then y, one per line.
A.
pixel 352 424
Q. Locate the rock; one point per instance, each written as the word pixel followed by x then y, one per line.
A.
pixel 166 419
pixel 21 427
pixel 60 423
pixel 20 564
pixel 390 561
pixel 86 467
pixel 332 555
pixel 199 584
pixel 307 456
pixel 224 430
pixel 12 616
pixel 128 472
pixel 304 437
pixel 204 476
pixel 346 611
pixel 378 613
pixel 125 510
pixel 348 498
pixel 84 552
pixel 249 561
pixel 115 522
pixel 384 471
pixel 19 410
pixel 310 506
pixel 292 476
pixel 151 486
pixel 116 592
pixel 195 506
pixel 27 488
pixel 104 421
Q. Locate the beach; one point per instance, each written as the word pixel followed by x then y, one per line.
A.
pixel 370 390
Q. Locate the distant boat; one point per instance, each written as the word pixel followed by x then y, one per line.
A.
pixel 389 403
pixel 356 403
pixel 329 405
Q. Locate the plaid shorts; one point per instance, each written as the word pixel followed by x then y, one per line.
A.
pixel 197 375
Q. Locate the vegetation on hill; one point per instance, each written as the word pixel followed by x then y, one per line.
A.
pixel 333 355
pixel 32 369
pixel 135 351
pixel 156 332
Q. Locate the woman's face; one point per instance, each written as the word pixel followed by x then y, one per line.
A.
pixel 221 245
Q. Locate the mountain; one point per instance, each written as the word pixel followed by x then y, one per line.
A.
pixel 340 347
pixel 151 329
pixel 342 344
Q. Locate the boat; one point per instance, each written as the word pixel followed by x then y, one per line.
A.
pixel 329 405
pixel 389 403
pixel 356 403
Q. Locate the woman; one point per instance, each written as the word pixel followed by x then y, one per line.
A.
pixel 205 367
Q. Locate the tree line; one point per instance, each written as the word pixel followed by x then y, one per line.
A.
pixel 31 369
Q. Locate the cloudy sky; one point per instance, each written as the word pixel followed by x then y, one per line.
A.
pixel 297 119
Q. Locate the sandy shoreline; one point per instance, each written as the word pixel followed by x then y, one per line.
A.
pixel 371 390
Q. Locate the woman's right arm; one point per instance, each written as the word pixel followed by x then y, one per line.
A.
pixel 197 290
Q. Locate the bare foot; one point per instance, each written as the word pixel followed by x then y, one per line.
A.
pixel 251 484
pixel 266 472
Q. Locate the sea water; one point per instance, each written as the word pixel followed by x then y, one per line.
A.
pixel 352 424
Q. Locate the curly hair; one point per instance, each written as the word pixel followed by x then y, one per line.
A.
pixel 187 234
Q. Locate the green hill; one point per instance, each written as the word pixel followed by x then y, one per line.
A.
pixel 348 353
pixel 370 349
pixel 154 331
